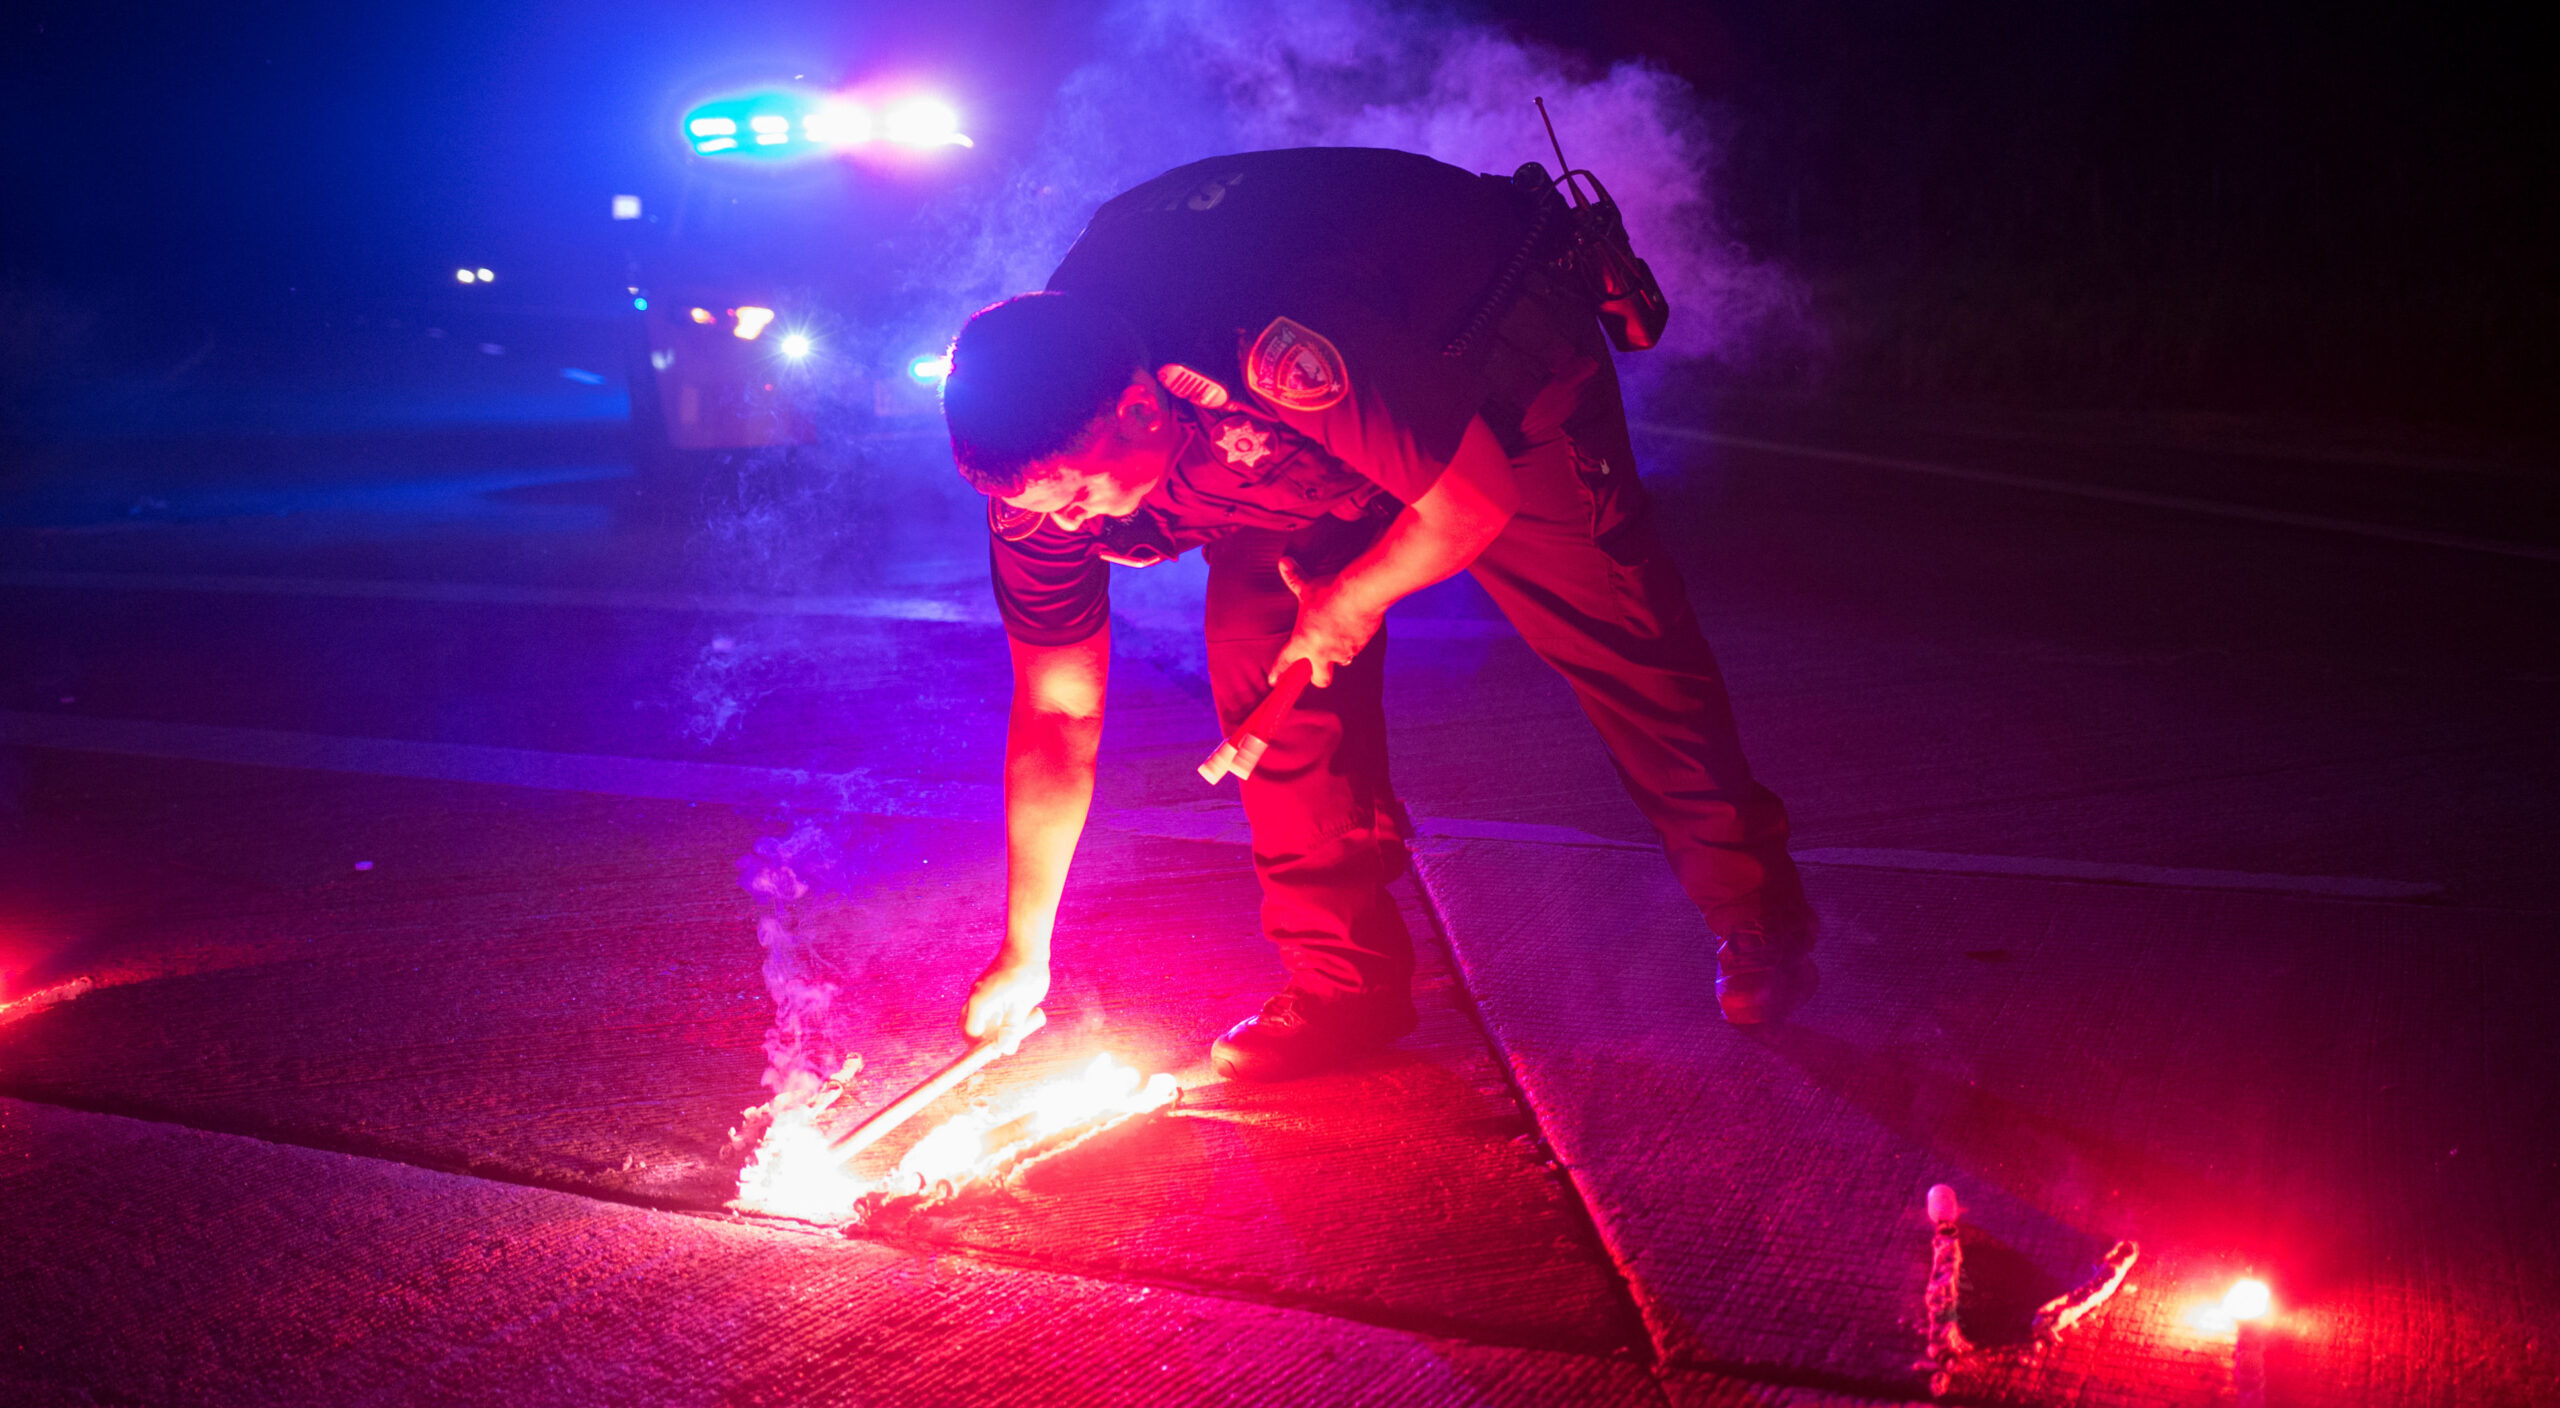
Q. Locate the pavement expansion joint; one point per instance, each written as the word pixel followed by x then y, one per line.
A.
pixel 1587 1222
pixel 863 791
pixel 149 1112
pixel 2138 498
pixel 1442 834
pixel 1637 1350
pixel 2327 887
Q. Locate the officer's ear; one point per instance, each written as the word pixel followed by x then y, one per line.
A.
pixel 1140 412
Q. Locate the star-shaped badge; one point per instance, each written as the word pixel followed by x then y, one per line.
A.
pixel 1242 442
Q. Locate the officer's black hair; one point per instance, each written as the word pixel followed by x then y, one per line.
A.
pixel 1027 377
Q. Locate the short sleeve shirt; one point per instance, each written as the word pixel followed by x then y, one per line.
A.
pixel 1236 468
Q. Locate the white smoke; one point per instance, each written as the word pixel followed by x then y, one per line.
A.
pixel 1186 79
pixel 800 1050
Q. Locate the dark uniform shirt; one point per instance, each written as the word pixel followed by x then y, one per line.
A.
pixel 1315 290
pixel 1236 468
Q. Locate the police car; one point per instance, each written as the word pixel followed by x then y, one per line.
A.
pixel 739 280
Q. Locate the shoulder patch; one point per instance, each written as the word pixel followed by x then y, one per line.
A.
pixel 1198 388
pixel 1010 523
pixel 1293 367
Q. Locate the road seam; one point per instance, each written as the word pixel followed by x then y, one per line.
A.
pixel 1661 1367
pixel 2156 876
pixel 858 607
pixel 2137 497
pixel 1424 1326
pixel 1621 1275
pixel 863 791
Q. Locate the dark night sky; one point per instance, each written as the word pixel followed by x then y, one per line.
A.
pixel 2343 178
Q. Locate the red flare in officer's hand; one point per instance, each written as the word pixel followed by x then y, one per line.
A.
pixel 1244 747
pixel 853 1141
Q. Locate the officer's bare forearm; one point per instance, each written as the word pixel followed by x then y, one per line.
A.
pixel 1048 789
pixel 1051 740
pixel 1440 533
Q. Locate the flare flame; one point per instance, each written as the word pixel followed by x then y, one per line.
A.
pixel 793 1173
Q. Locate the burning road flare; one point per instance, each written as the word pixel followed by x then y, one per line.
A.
pixel 1949 1348
pixel 2059 1313
pixel 906 1107
pixel 989 1144
pixel 1947 1342
pixel 800 1169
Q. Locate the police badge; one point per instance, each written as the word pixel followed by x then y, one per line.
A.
pixel 1243 443
pixel 1293 367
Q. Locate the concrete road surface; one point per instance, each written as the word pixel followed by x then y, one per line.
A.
pixel 382 988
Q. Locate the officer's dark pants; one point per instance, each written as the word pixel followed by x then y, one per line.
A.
pixel 1583 576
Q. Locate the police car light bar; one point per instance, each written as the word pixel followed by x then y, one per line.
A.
pixel 782 124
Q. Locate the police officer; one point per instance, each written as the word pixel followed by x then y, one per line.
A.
pixel 1344 374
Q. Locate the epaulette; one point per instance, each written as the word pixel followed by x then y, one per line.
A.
pixel 1198 388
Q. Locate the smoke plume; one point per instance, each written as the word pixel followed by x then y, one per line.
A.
pixel 800 1049
pixel 1186 79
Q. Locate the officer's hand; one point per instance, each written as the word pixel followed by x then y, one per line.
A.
pixel 1330 629
pixel 1004 996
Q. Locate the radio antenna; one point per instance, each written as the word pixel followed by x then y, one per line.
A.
pixel 1564 168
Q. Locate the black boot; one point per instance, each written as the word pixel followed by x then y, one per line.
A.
pixel 1761 977
pixel 1298 1033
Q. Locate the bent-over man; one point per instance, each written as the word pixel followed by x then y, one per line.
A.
pixel 1344 375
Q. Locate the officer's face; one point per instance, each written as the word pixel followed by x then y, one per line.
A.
pixel 1122 460
pixel 1074 497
